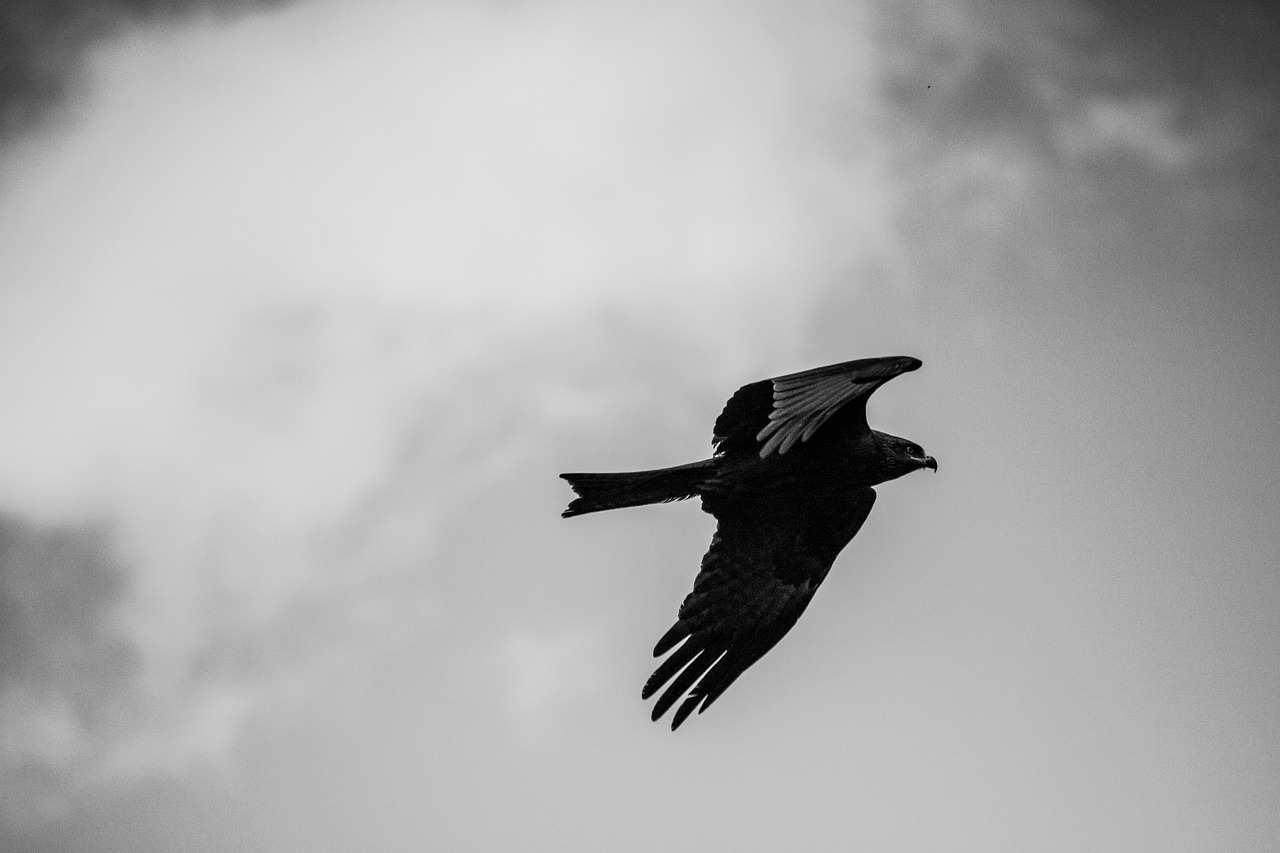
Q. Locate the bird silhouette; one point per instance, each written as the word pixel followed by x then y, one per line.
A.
pixel 789 484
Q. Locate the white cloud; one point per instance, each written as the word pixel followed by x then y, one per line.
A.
pixel 268 302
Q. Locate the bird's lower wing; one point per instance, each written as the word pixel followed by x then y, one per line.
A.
pixel 765 562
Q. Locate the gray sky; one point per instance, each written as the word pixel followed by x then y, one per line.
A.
pixel 303 308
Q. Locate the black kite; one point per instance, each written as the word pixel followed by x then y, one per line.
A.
pixel 789 485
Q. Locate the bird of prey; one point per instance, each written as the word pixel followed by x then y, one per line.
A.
pixel 789 484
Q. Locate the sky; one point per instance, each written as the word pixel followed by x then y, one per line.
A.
pixel 303 307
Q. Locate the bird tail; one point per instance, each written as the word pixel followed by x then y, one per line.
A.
pixel 635 488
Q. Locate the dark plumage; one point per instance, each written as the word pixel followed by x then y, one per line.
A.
pixel 789 485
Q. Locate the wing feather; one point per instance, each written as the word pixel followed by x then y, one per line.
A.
pixel 773 415
pixel 705 659
pixel 673 664
pixel 765 562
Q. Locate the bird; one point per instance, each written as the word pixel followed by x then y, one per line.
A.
pixel 789 483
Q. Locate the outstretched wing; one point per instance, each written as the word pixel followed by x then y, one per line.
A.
pixel 766 560
pixel 772 415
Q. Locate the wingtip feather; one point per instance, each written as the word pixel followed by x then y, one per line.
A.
pixel 682 713
pixel 667 642
pixel 668 668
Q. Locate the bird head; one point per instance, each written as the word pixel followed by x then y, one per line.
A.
pixel 901 456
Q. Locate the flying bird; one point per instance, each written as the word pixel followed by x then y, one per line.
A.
pixel 789 484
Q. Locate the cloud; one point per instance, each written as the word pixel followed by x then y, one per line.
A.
pixel 299 312
pixel 293 287
pixel 43 47
pixel 1140 127
pixel 288 294
pixel 66 670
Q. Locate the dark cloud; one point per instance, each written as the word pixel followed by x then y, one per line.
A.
pixel 64 668
pixel 1041 133
pixel 43 45
pixel 1188 44
pixel 53 582
pixel 1014 61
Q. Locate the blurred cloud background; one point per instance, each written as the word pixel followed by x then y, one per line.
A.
pixel 304 305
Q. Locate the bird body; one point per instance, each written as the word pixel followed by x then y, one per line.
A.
pixel 789 485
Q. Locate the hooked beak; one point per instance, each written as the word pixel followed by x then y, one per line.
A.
pixel 930 462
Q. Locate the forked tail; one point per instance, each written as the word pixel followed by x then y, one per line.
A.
pixel 635 488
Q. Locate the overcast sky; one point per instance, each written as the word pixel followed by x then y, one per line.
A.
pixel 304 306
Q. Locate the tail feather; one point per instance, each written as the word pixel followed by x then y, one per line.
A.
pixel 634 488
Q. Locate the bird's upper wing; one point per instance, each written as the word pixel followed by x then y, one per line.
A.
pixel 773 414
pixel 764 565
